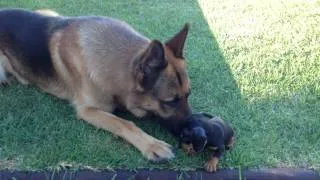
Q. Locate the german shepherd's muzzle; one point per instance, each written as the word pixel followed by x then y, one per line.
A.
pixel 98 64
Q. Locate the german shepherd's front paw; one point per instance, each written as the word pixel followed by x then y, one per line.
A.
pixel 159 151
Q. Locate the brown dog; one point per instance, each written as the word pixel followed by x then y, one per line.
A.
pixel 99 64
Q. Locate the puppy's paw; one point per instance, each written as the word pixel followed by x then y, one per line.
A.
pixel 211 165
pixel 159 151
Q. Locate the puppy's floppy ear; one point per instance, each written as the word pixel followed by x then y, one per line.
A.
pixel 150 65
pixel 176 43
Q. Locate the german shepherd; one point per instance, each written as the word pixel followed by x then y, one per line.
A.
pixel 99 64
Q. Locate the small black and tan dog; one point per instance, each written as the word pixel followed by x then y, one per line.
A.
pixel 203 130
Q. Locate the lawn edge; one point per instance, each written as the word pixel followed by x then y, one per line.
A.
pixel 264 173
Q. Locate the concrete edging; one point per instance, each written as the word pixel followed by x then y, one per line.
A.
pixel 227 174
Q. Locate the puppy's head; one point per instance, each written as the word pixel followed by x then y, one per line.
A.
pixel 193 138
pixel 161 81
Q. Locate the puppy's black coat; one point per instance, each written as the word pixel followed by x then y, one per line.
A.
pixel 203 130
pixel 218 133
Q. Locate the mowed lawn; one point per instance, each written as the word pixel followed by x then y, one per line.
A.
pixel 254 63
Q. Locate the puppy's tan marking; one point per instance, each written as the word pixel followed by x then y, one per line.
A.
pixel 188 148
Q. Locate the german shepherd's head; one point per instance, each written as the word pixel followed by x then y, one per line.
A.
pixel 162 82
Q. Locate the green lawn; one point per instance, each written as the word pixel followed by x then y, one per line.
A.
pixel 255 63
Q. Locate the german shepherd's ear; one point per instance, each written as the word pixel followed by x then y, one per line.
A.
pixel 150 65
pixel 176 43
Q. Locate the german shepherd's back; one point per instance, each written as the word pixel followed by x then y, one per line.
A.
pixel 99 64
pixel 25 35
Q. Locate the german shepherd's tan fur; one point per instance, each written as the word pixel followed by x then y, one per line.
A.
pixel 99 64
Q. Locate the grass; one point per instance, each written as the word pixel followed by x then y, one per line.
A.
pixel 255 63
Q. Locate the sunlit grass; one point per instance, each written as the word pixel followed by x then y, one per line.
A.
pixel 272 50
pixel 272 47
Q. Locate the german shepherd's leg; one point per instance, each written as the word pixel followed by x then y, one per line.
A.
pixel 151 148
pixel 7 74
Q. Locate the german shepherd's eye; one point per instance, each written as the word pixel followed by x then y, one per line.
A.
pixel 173 102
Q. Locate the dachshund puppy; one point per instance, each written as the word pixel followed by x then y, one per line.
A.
pixel 203 130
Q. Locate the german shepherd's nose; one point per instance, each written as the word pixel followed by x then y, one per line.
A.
pixel 182 113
